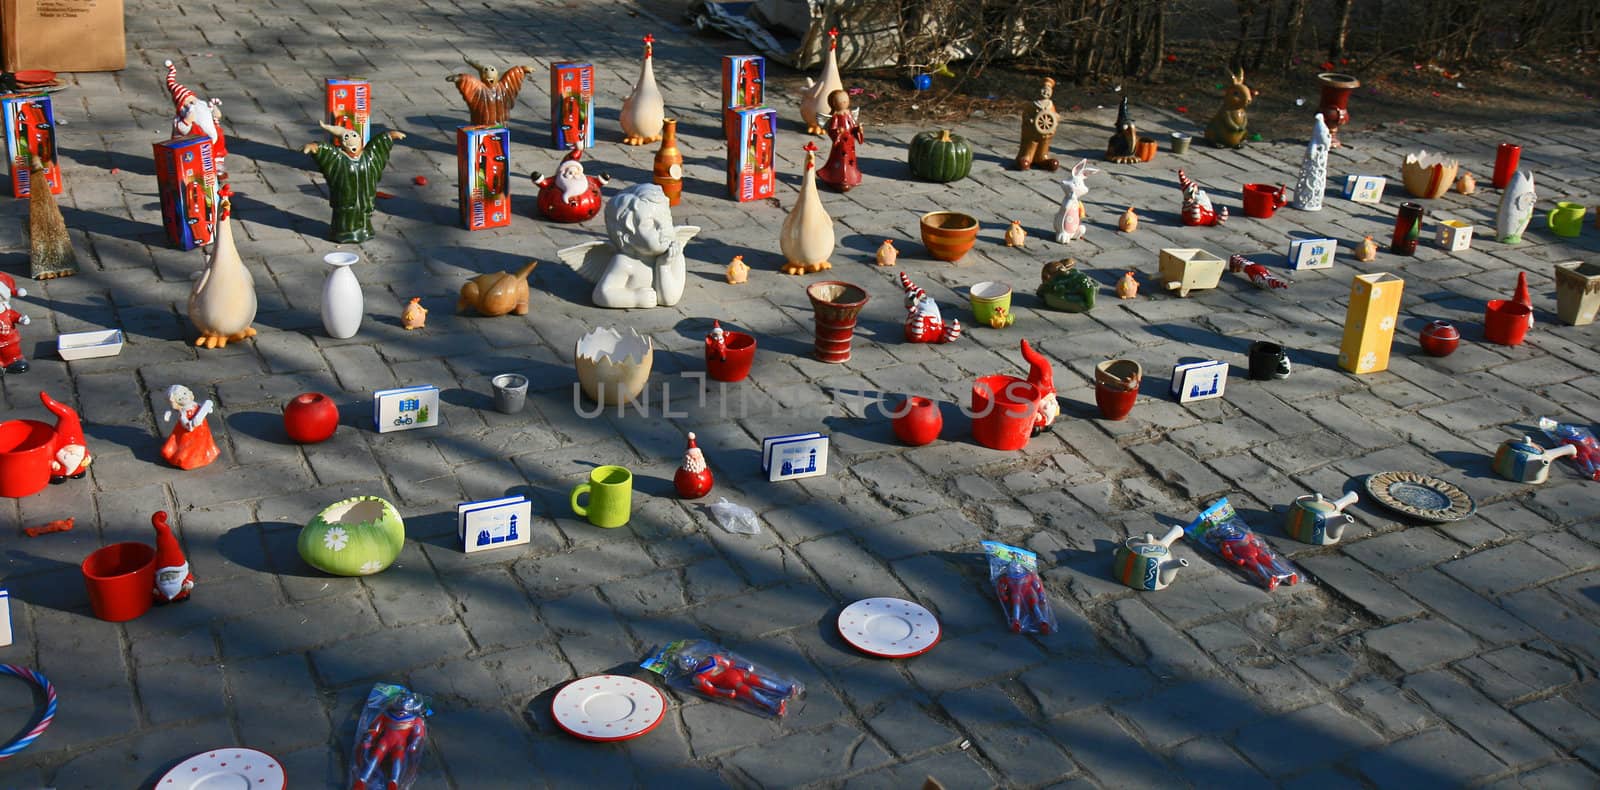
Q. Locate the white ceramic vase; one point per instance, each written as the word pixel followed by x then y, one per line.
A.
pixel 342 304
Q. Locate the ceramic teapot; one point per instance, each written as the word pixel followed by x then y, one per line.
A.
pixel 1526 462
pixel 1147 563
pixel 1315 520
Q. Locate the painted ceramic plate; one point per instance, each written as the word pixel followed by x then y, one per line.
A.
pixel 232 768
pixel 889 627
pixel 34 76
pixel 608 708
pixel 1420 496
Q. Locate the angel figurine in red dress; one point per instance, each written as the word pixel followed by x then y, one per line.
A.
pixel 190 445
pixel 844 129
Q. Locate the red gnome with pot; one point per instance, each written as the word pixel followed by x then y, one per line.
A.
pixel 173 578
pixel 570 195
pixel 71 456
pixel 1043 380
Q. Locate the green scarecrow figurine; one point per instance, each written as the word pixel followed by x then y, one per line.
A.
pixel 352 169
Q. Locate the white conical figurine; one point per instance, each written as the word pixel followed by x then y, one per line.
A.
pixel 1314 169
pixel 814 99
pixel 222 304
pixel 643 112
pixel 807 235
pixel 1516 208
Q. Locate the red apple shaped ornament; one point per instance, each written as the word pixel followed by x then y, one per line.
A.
pixel 570 195
pixel 693 479
pixel 310 417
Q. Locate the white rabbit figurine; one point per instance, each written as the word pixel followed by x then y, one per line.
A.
pixel 1069 220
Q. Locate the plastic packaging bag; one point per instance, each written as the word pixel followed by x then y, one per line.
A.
pixel 1220 529
pixel 1588 457
pixel 734 517
pixel 1015 575
pixel 713 671
pixel 390 739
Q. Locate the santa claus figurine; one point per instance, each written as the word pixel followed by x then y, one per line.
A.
pixel 173 579
pixel 569 195
pixel 11 359
pixel 693 479
pixel 71 456
pixel 192 115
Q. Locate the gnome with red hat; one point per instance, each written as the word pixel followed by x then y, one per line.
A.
pixel 569 195
pixel 173 578
pixel 192 115
pixel 693 479
pixel 70 456
pixel 11 359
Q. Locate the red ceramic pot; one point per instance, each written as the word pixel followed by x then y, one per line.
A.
pixel 917 421
pixel 1440 338
pixel 1116 387
pixel 1003 408
pixel 740 352
pixel 1335 102
pixel 1263 200
pixel 25 457
pixel 555 207
pixel 1505 322
pixel 310 417
pixel 121 579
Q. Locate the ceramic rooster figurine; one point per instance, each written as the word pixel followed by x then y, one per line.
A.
pixel 1367 250
pixel 806 237
pixel 1197 208
pixel 1042 377
pixel 415 316
pixel 738 271
pixel 1257 273
pixel 643 111
pixel 924 324
pixel 814 99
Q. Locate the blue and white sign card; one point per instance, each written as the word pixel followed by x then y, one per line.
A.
pixel 1312 253
pixel 405 408
pixel 794 456
pixel 1364 189
pixel 1199 380
pixel 493 523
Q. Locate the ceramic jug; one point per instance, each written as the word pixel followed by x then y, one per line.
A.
pixel 1147 563
pixel 1526 462
pixel 1315 520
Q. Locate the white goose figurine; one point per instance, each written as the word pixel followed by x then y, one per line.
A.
pixel 222 304
pixel 814 99
pixel 643 112
pixel 807 235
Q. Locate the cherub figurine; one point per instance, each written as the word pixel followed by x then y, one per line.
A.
pixel 352 170
pixel 844 129
pixel 1125 140
pixel 395 738
pixel 190 445
pixel 642 263
pixel 1231 124
pixel 11 358
pixel 1038 129
pixel 490 95
pixel 415 316
pixel 720 676
pixel 195 116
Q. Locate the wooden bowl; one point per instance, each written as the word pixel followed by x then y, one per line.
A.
pixel 948 235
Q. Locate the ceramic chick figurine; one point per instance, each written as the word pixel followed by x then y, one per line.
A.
pixel 1127 287
pixel 415 316
pixel 1466 184
pixel 887 254
pixel 1128 222
pixel 1015 235
pixel 738 271
pixel 1367 250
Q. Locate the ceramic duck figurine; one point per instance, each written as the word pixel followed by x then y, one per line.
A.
pixel 887 254
pixel 738 271
pixel 693 480
pixel 1128 286
pixel 643 112
pixel 814 99
pixel 807 235
pixel 1516 208
pixel 1128 222
pixel 415 316
pixel 1314 169
pixel 1367 250
pixel 222 304
pixel 1015 235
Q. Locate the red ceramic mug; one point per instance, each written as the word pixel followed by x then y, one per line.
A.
pixel 1262 200
pixel 1003 409
pixel 25 449
pixel 121 579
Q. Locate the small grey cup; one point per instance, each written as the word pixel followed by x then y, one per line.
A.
pixel 510 392
pixel 1180 143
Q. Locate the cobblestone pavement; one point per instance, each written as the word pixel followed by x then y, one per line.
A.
pixel 1414 655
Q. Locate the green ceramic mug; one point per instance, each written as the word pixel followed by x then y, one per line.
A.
pixel 991 304
pixel 1566 219
pixel 610 490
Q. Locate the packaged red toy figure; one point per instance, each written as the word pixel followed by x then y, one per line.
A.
pixel 389 739
pixel 1588 458
pixel 30 132
pixel 1015 574
pixel 715 672
pixel 1220 529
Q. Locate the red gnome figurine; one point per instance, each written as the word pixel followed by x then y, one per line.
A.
pixel 70 456
pixel 693 479
pixel 173 578
pixel 1043 379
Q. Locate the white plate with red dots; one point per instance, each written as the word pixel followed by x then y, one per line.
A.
pixel 889 627
pixel 608 708
pixel 232 768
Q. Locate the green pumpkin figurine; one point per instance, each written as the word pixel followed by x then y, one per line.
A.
pixel 352 169
pixel 940 156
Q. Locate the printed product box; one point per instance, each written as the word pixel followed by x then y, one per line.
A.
pixel 30 129
pixel 349 105
pixel 187 177
pixel 750 155
pixel 483 160
pixel 744 85
pixel 571 105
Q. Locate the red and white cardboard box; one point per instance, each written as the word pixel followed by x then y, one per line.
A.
pixel 571 105
pixel 187 177
pixel 751 146
pixel 349 104
pixel 744 86
pixel 30 129
pixel 483 162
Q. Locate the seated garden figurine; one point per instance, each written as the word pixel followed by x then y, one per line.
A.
pixel 642 264
pixel 352 169
pixel 490 95
pixel 190 445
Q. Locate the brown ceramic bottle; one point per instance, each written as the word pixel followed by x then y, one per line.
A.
pixel 668 172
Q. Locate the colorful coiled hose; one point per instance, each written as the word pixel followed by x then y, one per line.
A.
pixel 37 679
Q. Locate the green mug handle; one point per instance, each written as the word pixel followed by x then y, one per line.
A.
pixel 1550 218
pixel 577 491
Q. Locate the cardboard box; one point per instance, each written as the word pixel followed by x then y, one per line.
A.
pixel 62 35
pixel 30 128
pixel 571 105
pixel 349 104
pixel 1312 253
pixel 1369 322
pixel 5 617
pixel 187 177
pixel 744 86
pixel 751 147
pixel 1454 235
pixel 483 163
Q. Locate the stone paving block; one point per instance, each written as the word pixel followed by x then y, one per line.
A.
pixel 1463 607
pixel 1382 701
pixel 1179 713
pixel 1550 777
pixel 1164 650
pixel 462 738
pixel 1419 644
pixel 969 660
pixel 1497 571
pixel 1555 619
pixel 807 757
pixel 1059 688
pixel 1283 744
pixel 1024 754
pixel 1393 554
pixel 1558 719
pixel 1348 578
pixel 909 728
pixel 387 652
pixel 1205 761
pixel 1436 757
pixel 1518 672
pixel 1508 739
